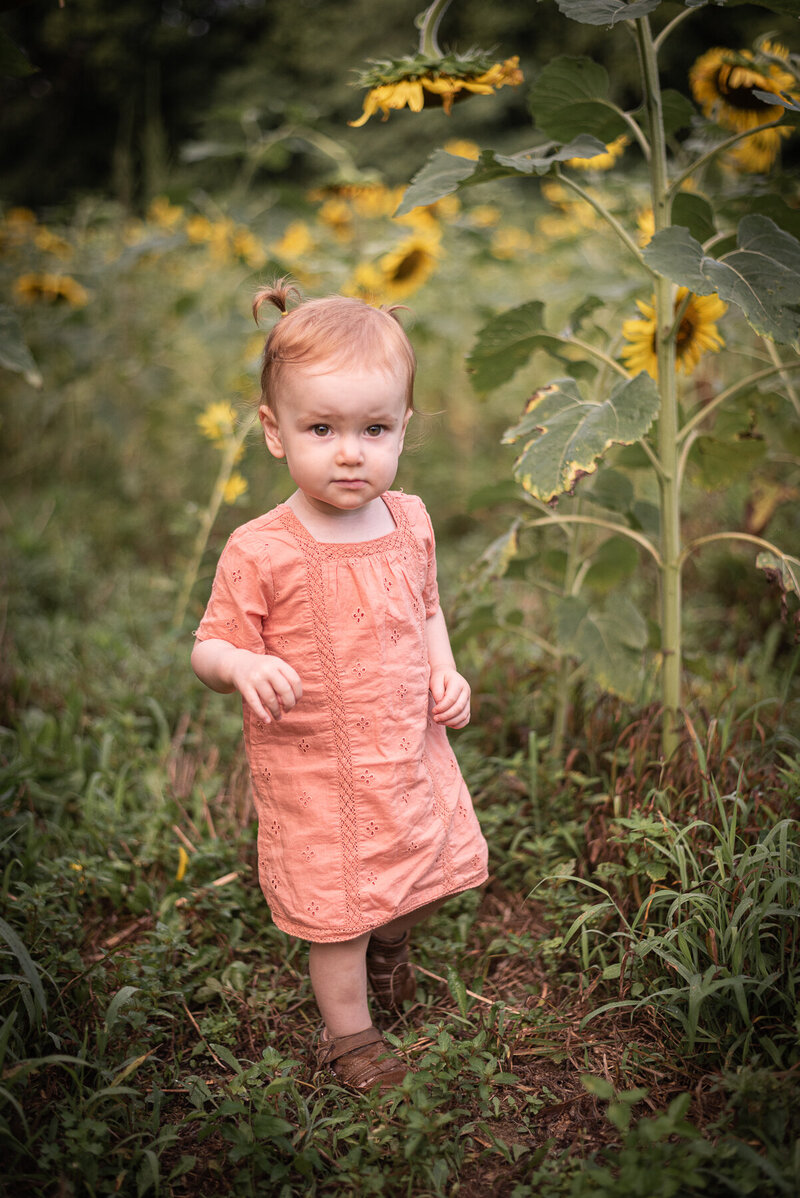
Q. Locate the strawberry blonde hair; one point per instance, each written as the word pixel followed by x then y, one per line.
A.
pixel 332 333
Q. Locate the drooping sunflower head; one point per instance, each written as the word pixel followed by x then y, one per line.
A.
pixel 419 81
pixel 724 83
pixel 697 333
pixel 405 268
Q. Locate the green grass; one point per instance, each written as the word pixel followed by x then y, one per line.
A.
pixel 155 1032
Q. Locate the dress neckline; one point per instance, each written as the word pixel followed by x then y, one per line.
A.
pixel 347 548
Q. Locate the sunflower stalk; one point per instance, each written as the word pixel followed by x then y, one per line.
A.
pixel 718 149
pixel 562 434
pixel 231 452
pixel 669 483
pixel 429 23
pixel 602 211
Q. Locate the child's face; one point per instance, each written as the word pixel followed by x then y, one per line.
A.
pixel 341 433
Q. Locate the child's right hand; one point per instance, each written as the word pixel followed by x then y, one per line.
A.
pixel 268 684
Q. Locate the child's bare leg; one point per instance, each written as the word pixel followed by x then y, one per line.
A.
pixel 339 981
pixel 398 927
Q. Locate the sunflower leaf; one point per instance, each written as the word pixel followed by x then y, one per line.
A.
pixel 506 343
pixel 761 276
pixel 722 463
pixel 445 173
pixel 695 213
pixel 565 434
pixel 609 643
pixel 570 97
pixel 605 12
pixel 791 109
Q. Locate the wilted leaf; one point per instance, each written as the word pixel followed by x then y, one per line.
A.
pixel 609 643
pixel 444 173
pixel 567 434
pixel 494 561
pixel 783 571
pixel 14 353
pixel 570 97
pixel 761 276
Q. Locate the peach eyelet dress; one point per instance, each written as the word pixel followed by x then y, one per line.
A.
pixel 363 814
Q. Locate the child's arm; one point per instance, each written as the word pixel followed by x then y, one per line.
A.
pixel 450 691
pixel 268 684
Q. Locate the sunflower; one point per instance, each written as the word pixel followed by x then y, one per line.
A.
pixel 724 83
pixel 50 243
pixel 217 422
pixel 646 225
pixel 235 487
pixel 165 215
pixel 49 289
pixel 337 214
pixel 756 153
pixel 602 162
pixel 417 82
pixel 366 283
pixel 509 242
pixel 697 333
pixel 461 148
pixel 297 241
pixel 247 247
pixel 410 264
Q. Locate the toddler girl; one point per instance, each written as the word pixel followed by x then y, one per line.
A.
pixel 324 615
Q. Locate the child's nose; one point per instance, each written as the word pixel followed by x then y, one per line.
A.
pixel 350 449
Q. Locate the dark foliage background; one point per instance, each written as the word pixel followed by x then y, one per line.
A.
pixel 116 91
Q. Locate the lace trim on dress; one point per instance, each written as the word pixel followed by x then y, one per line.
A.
pixel 401 532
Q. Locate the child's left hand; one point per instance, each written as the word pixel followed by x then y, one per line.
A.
pixel 451 696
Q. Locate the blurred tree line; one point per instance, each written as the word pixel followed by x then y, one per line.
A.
pixel 140 96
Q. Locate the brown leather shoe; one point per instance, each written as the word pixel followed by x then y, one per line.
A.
pixel 390 973
pixel 362 1061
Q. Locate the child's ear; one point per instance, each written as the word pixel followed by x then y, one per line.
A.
pixel 272 434
pixel 406 419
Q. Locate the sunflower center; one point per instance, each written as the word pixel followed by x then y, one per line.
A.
pixel 738 95
pixel 684 335
pixel 408 266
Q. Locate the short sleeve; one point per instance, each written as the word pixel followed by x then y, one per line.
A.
pixel 430 590
pixel 240 597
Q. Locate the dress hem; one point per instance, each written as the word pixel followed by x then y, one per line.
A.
pixel 335 937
